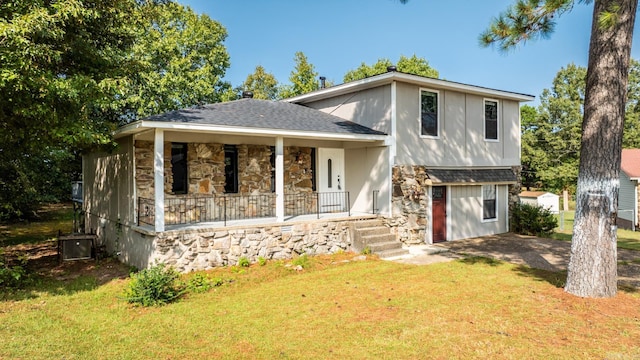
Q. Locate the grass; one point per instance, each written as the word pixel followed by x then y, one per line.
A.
pixel 476 308
pixel 627 239
pixel 52 219
pixel 335 308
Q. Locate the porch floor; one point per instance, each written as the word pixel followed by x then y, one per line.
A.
pixel 245 223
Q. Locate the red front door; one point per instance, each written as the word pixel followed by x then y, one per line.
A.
pixel 439 211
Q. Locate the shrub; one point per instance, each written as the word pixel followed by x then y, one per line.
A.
pixel 244 262
pixel 12 275
pixel 158 285
pixel 302 261
pixel 262 261
pixel 528 219
pixel 199 283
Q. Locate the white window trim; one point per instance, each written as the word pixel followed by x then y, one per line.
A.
pixel 482 204
pixel 484 120
pixel 438 114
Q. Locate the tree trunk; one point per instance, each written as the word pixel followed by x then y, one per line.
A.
pixel 592 268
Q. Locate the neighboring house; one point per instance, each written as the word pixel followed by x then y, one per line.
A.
pixel 432 160
pixel 547 200
pixel 628 196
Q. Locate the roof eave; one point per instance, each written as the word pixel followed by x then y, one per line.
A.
pixel 389 77
pixel 144 125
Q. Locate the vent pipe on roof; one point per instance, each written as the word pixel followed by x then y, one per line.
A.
pixel 247 95
pixel 323 83
pixel 391 68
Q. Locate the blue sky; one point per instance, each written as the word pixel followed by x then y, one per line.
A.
pixel 338 35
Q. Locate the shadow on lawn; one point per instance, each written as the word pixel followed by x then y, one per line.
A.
pixel 46 275
pixel 555 278
pixel 472 260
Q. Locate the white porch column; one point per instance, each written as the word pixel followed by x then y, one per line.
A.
pixel 158 179
pixel 279 179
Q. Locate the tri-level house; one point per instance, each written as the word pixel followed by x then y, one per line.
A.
pixel 380 162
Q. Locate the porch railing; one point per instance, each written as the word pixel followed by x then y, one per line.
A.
pixel 317 203
pixel 193 209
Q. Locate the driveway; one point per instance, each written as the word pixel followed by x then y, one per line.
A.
pixel 535 252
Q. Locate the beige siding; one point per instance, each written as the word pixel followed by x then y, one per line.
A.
pixel 370 108
pixel 109 201
pixel 465 213
pixel 627 197
pixel 367 169
pixel 461 139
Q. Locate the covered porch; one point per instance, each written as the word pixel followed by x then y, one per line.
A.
pixel 194 167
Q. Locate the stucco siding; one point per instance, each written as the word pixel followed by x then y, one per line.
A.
pixel 465 215
pixel 370 108
pixel 627 196
pixel 461 139
pixel 367 169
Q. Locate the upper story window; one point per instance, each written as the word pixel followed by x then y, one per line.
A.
pixel 429 119
pixel 179 168
pixel 491 120
pixel 489 203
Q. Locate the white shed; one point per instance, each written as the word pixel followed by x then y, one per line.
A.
pixel 544 199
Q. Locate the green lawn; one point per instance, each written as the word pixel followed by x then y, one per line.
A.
pixel 52 218
pixel 627 239
pixel 337 308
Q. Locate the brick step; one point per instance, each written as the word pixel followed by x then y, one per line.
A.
pixel 392 253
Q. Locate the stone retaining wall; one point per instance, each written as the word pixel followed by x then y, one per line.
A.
pixel 202 249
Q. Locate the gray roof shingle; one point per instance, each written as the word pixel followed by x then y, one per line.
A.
pixel 471 175
pixel 265 114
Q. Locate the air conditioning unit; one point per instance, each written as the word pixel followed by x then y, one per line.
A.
pixel 75 247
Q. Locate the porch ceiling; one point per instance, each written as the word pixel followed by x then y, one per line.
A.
pixel 257 118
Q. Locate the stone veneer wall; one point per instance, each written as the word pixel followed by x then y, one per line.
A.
pixel 202 249
pixel 409 204
pixel 144 168
pixel 205 168
pixel 205 164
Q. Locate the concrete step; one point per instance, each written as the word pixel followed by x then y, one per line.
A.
pixel 368 223
pixel 378 230
pixel 392 253
pixel 374 239
pixel 383 246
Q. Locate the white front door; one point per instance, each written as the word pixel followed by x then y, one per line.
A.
pixel 331 182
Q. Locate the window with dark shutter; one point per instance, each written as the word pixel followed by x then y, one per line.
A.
pixel 231 169
pixel 179 168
